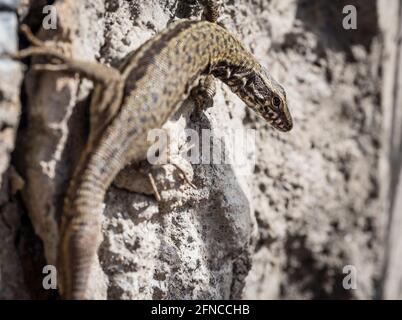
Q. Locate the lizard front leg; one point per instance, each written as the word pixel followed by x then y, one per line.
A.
pixel 204 92
pixel 211 10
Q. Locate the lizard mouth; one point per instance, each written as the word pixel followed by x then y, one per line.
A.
pixel 278 121
pixel 281 125
pixel 285 126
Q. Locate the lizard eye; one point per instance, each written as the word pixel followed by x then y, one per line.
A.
pixel 276 102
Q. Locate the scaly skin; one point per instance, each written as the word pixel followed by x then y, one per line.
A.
pixel 138 97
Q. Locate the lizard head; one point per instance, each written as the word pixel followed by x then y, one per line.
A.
pixel 268 98
pixel 255 86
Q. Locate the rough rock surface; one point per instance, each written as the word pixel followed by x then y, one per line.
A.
pixel 306 204
pixel 11 276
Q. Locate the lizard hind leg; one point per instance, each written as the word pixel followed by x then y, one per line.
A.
pixel 93 71
pixel 107 96
pixel 151 179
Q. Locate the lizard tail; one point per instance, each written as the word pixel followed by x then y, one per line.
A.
pixel 81 227
pixel 80 238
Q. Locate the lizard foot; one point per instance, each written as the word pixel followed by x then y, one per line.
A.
pixel 156 180
pixel 203 94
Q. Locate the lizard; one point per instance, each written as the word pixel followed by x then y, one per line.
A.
pixel 139 96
